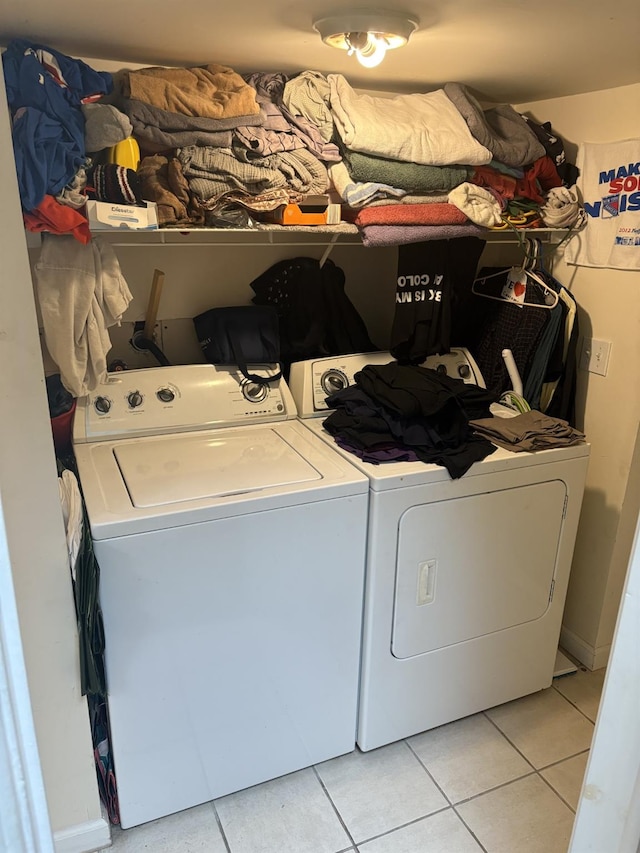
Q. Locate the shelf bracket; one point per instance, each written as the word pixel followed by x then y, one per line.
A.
pixel 327 251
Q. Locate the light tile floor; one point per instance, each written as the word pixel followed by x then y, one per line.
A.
pixel 504 781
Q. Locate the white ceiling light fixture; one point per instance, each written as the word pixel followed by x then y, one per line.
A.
pixel 368 35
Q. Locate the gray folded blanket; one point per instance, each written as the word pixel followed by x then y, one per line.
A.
pixel 500 129
pixel 176 122
pixel 212 172
pixel 158 130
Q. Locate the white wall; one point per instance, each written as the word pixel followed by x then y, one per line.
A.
pixel 609 303
pixel 608 815
pixel 35 534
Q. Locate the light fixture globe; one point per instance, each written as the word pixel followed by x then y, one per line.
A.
pixel 367 34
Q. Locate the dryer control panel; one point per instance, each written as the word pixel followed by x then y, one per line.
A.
pixel 153 401
pixel 312 381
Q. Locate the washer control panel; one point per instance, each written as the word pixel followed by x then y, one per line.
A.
pixel 175 399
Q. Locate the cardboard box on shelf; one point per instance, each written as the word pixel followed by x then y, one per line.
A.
pixel 104 216
pixel 313 210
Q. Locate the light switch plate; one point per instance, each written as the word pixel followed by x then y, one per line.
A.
pixel 595 356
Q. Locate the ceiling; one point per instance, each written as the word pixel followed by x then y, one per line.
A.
pixel 511 51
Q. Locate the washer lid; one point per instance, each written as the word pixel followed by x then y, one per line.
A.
pixel 187 467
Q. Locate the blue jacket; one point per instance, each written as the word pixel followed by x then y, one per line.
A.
pixel 52 114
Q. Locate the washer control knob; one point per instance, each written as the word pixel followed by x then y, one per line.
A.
pixel 333 380
pixel 254 392
pixel 464 371
pixel 102 405
pixel 165 395
pixel 441 369
pixel 134 399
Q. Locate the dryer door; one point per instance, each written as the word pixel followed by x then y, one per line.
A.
pixel 474 565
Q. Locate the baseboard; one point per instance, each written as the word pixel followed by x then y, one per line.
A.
pixel 83 837
pixel 593 657
pixel 601 657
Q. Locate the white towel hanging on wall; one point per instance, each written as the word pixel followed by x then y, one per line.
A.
pixel 610 186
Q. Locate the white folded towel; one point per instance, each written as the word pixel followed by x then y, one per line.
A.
pixel 478 204
pixel 561 209
pixel 426 129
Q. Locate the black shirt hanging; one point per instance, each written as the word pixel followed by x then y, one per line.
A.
pixel 426 274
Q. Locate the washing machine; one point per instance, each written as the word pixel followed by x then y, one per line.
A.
pixel 231 543
pixel 465 579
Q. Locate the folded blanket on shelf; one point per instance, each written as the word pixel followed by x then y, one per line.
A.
pixel 162 181
pixel 282 130
pixel 265 201
pixel 303 171
pixel 211 172
pixel 360 193
pixel 396 235
pixel 419 128
pixel 500 129
pixel 412 214
pixel 425 198
pixel 307 95
pixel 413 177
pixel 210 91
pixel 263 141
pixel 159 130
pixel 528 432
pixel 176 122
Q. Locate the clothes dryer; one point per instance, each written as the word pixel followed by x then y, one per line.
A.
pixel 465 579
pixel 231 544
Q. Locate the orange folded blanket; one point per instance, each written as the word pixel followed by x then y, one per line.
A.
pixel 439 213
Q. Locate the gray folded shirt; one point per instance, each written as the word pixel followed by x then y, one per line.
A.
pixel 529 431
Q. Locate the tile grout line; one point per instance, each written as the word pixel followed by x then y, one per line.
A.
pixel 498 729
pixel 504 785
pixel 557 793
pixel 451 805
pixel 405 825
pixel 534 771
pixel 426 770
pixel 530 763
pixel 562 760
pixel 334 807
pixel 220 827
pixel 577 707
pixel 469 830
pixel 402 825
pixel 466 800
